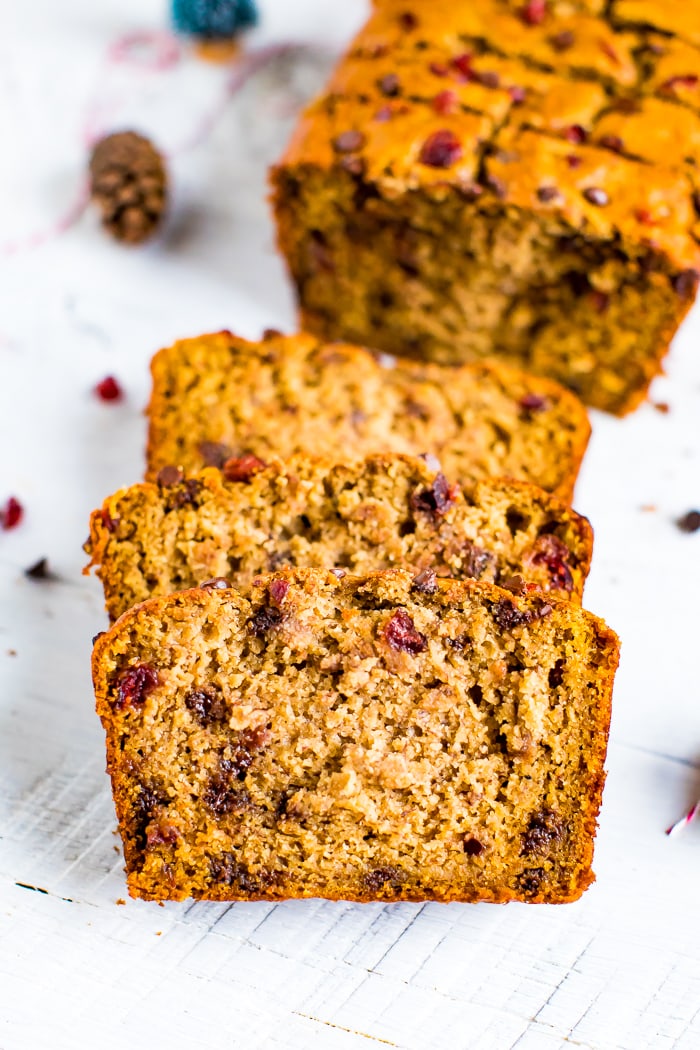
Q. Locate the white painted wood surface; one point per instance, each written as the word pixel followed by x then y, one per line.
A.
pixel 78 968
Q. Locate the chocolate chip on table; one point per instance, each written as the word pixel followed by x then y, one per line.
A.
pixel 169 476
pixel 596 195
pixel 401 634
pixel 689 522
pixel 40 571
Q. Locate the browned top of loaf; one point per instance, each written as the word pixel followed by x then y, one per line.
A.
pixel 218 396
pixel 380 513
pixel 589 117
pixel 356 738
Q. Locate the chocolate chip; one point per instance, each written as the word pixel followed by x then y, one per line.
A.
pixel 488 79
pixel 40 571
pixel 685 283
pixel 476 560
pixel 597 196
pixel 214 453
pixel 545 830
pixel 389 85
pixel 547 193
pixel 207 705
pixel 435 500
pixel 216 583
pixel 508 616
pixel 271 333
pixel 690 522
pixel 185 495
pixel 348 141
pixel 556 674
pixel 408 20
pixel 425 582
pixel 169 476
pixel 531 880
pixel 613 142
pixel 377 878
pixel 473 848
pixel 532 403
pixel 562 41
pixel 696 203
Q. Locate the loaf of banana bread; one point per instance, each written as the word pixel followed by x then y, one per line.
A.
pixel 500 177
pixel 219 397
pixel 383 512
pixel 360 739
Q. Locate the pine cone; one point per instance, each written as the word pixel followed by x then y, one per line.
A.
pixel 129 184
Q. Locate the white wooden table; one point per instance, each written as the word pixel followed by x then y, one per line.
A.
pixel 78 966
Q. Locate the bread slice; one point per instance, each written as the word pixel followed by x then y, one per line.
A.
pixel 383 512
pixel 360 739
pixel 219 396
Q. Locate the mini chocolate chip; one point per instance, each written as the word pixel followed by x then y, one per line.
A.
pixel 562 41
pixel 685 283
pixel 40 571
pixel 594 195
pixel 169 476
pixel 216 583
pixel 613 142
pixel 533 403
pixel 408 20
pixel 389 85
pixel 473 848
pixel 556 674
pixel 425 582
pixel 488 79
pixel 547 193
pixel 348 141
pixel 214 453
pixel 690 522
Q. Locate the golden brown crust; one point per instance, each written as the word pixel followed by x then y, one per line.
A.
pixel 293 394
pixel 236 774
pixel 504 131
pixel 384 512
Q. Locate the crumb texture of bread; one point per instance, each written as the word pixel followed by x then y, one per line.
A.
pixel 218 396
pixel 383 512
pixel 356 739
pixel 504 178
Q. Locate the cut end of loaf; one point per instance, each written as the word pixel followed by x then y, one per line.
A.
pixel 356 739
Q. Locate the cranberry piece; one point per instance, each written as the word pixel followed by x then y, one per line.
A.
pixel 11 514
pixel 389 85
pixel 441 150
pixel 400 634
pixel 161 835
pixel 438 69
pixel 134 686
pixel 553 553
pixel 613 142
pixel 517 94
pixel 562 41
pixel 688 80
pixel 600 301
pixel 425 582
pixel 533 403
pixel 573 160
pixel 463 65
pixel 595 195
pixel 242 468
pixel 547 194
pixel 108 389
pixel 685 283
pixel 690 522
pixel 169 476
pixel 533 13
pixel 436 500
pixel 473 848
pixel 278 591
pixel 348 141
pixel 214 453
pixel 576 134
pixel 644 216
pixel 108 521
pixel 445 102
